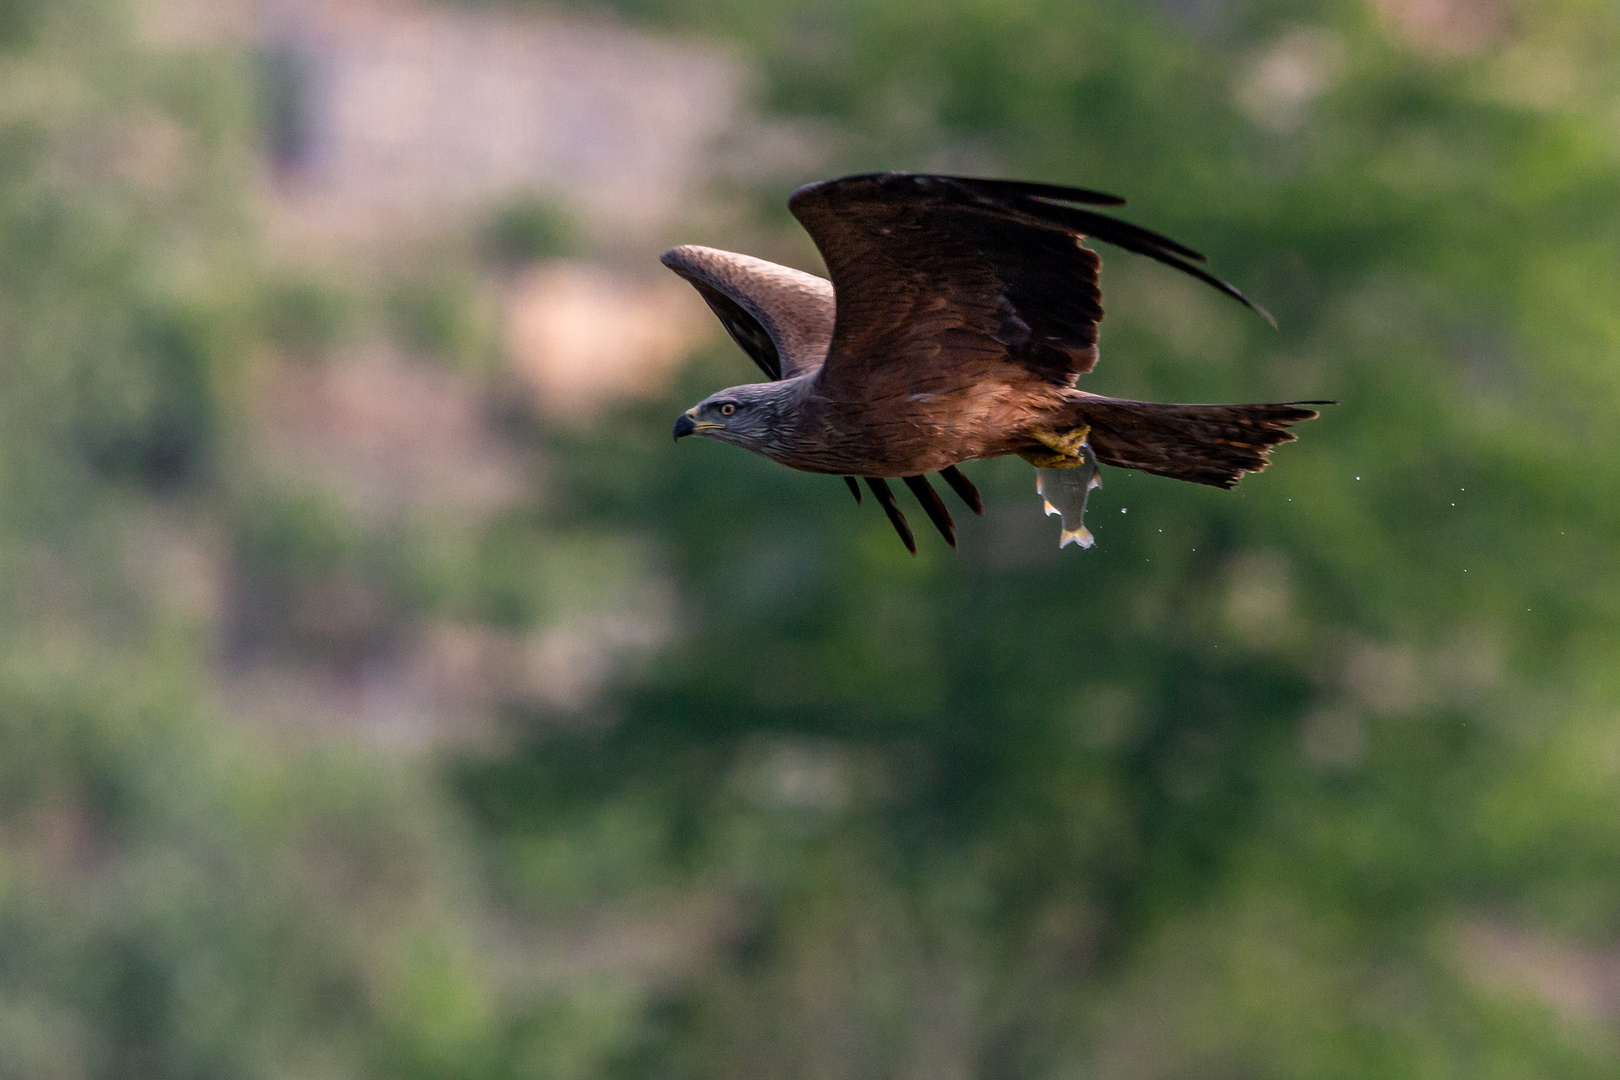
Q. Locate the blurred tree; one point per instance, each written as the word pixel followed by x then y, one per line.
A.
pixel 1314 778
pixel 527 230
pixel 1227 794
pixel 180 895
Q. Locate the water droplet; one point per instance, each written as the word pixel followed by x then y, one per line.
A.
pixel 1358 478
pixel 1122 509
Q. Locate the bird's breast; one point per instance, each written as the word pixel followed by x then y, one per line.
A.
pixel 919 431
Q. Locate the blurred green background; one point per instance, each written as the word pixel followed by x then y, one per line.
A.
pixel 382 695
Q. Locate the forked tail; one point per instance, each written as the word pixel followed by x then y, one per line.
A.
pixel 1207 444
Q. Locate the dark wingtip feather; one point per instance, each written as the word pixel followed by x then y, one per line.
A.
pixel 1026 189
pixel 933 506
pixel 975 185
pixel 1141 241
pixel 885 498
pixel 854 489
pixel 1123 234
pixel 1262 312
pixel 963 487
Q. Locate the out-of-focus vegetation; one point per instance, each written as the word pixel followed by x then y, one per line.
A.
pixel 1314 778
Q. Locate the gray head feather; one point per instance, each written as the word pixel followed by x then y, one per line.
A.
pixel 751 416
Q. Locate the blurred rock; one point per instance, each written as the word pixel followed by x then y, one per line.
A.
pixel 1260 600
pixel 1447 27
pixel 191 24
pixel 1388 679
pixel 469 669
pixel 387 434
pixel 580 337
pixel 799 774
pixel 179 564
pixel 1295 70
pixel 401 117
pixel 1581 985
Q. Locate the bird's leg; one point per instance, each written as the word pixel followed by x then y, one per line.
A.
pixel 933 507
pixel 885 498
pixel 1064 448
pixel 963 488
pixel 854 489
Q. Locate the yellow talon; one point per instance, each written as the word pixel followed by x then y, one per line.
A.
pixel 1065 448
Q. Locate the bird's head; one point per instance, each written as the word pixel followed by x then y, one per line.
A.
pixel 744 416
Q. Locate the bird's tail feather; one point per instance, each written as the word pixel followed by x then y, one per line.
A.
pixel 1206 444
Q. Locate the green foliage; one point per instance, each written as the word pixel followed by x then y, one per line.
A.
pixel 439 316
pixel 528 230
pixel 17 19
pixel 304 318
pixel 1202 800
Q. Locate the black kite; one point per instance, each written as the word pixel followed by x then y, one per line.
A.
pixel 960 315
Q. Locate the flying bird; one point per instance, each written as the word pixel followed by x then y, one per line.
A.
pixel 959 317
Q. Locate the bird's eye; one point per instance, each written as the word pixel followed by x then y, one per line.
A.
pixel 727 409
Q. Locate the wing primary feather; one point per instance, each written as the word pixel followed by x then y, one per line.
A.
pixel 1123 234
pixel 854 489
pixel 1119 233
pixel 885 498
pixel 1134 238
pixel 1026 189
pixel 973 186
pixel 963 487
pixel 933 506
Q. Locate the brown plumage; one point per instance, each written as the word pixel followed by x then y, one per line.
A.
pixel 958 319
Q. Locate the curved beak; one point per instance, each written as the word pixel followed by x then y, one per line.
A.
pixel 689 424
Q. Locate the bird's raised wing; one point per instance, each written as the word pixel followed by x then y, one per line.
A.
pixel 781 317
pixel 945 281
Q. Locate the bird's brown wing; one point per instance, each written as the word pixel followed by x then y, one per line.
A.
pixel 945 282
pixel 781 317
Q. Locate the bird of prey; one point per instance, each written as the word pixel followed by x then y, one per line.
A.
pixel 959 317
